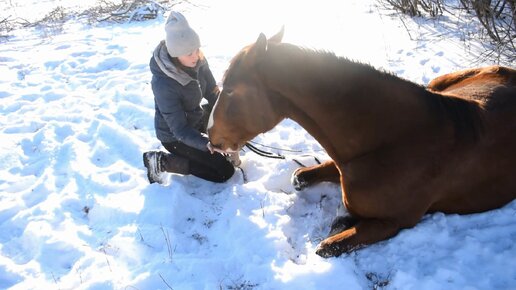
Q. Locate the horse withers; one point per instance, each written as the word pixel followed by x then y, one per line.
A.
pixel 398 149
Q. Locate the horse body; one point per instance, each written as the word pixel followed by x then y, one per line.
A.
pixel 487 169
pixel 398 149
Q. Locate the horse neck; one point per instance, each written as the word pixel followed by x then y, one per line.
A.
pixel 348 115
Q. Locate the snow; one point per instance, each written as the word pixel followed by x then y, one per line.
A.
pixel 76 209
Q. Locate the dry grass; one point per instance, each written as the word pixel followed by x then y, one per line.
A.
pixel 103 11
pixel 497 17
pixel 126 10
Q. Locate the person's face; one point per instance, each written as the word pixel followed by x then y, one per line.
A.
pixel 189 60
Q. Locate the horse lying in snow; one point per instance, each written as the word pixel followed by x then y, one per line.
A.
pixel 399 150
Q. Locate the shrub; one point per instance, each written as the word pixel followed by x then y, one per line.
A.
pixel 497 17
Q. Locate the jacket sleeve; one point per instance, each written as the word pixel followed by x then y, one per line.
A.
pixel 168 100
pixel 211 92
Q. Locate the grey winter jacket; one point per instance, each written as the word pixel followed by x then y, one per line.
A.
pixel 178 96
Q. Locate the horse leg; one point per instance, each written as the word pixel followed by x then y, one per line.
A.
pixel 305 176
pixel 342 223
pixel 364 232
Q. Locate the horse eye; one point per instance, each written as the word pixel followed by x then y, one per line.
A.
pixel 228 92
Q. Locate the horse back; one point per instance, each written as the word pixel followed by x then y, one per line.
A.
pixel 464 177
pixel 492 86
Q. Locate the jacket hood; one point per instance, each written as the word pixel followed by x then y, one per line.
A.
pixel 163 61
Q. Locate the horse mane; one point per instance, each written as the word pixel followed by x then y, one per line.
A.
pixel 324 66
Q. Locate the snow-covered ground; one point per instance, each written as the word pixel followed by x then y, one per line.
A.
pixel 77 212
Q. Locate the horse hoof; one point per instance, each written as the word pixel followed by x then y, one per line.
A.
pixel 298 182
pixel 327 250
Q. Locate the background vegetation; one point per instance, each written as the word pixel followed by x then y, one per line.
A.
pixel 497 17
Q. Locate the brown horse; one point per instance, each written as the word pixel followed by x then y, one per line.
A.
pixel 399 150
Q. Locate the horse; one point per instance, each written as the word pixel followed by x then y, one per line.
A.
pixel 398 149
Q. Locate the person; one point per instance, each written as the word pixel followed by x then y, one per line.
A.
pixel 181 79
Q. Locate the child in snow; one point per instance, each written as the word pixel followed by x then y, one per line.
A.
pixel 181 78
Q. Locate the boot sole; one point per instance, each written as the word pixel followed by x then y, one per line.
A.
pixel 146 163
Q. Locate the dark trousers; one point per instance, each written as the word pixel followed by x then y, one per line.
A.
pixel 213 167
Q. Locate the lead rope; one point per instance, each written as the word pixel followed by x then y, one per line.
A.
pixel 276 155
pixel 267 154
pixel 264 153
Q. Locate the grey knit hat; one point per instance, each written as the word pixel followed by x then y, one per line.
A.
pixel 181 39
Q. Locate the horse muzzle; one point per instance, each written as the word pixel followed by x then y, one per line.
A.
pixel 224 148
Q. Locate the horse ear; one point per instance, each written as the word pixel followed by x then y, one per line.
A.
pixel 258 48
pixel 261 42
pixel 278 36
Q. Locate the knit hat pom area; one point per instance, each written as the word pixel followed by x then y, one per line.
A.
pixel 180 39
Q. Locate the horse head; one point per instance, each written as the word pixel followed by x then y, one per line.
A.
pixel 243 109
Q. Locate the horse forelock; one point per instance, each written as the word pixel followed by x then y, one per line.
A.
pixel 235 62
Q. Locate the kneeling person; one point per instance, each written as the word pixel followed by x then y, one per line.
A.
pixel 181 78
